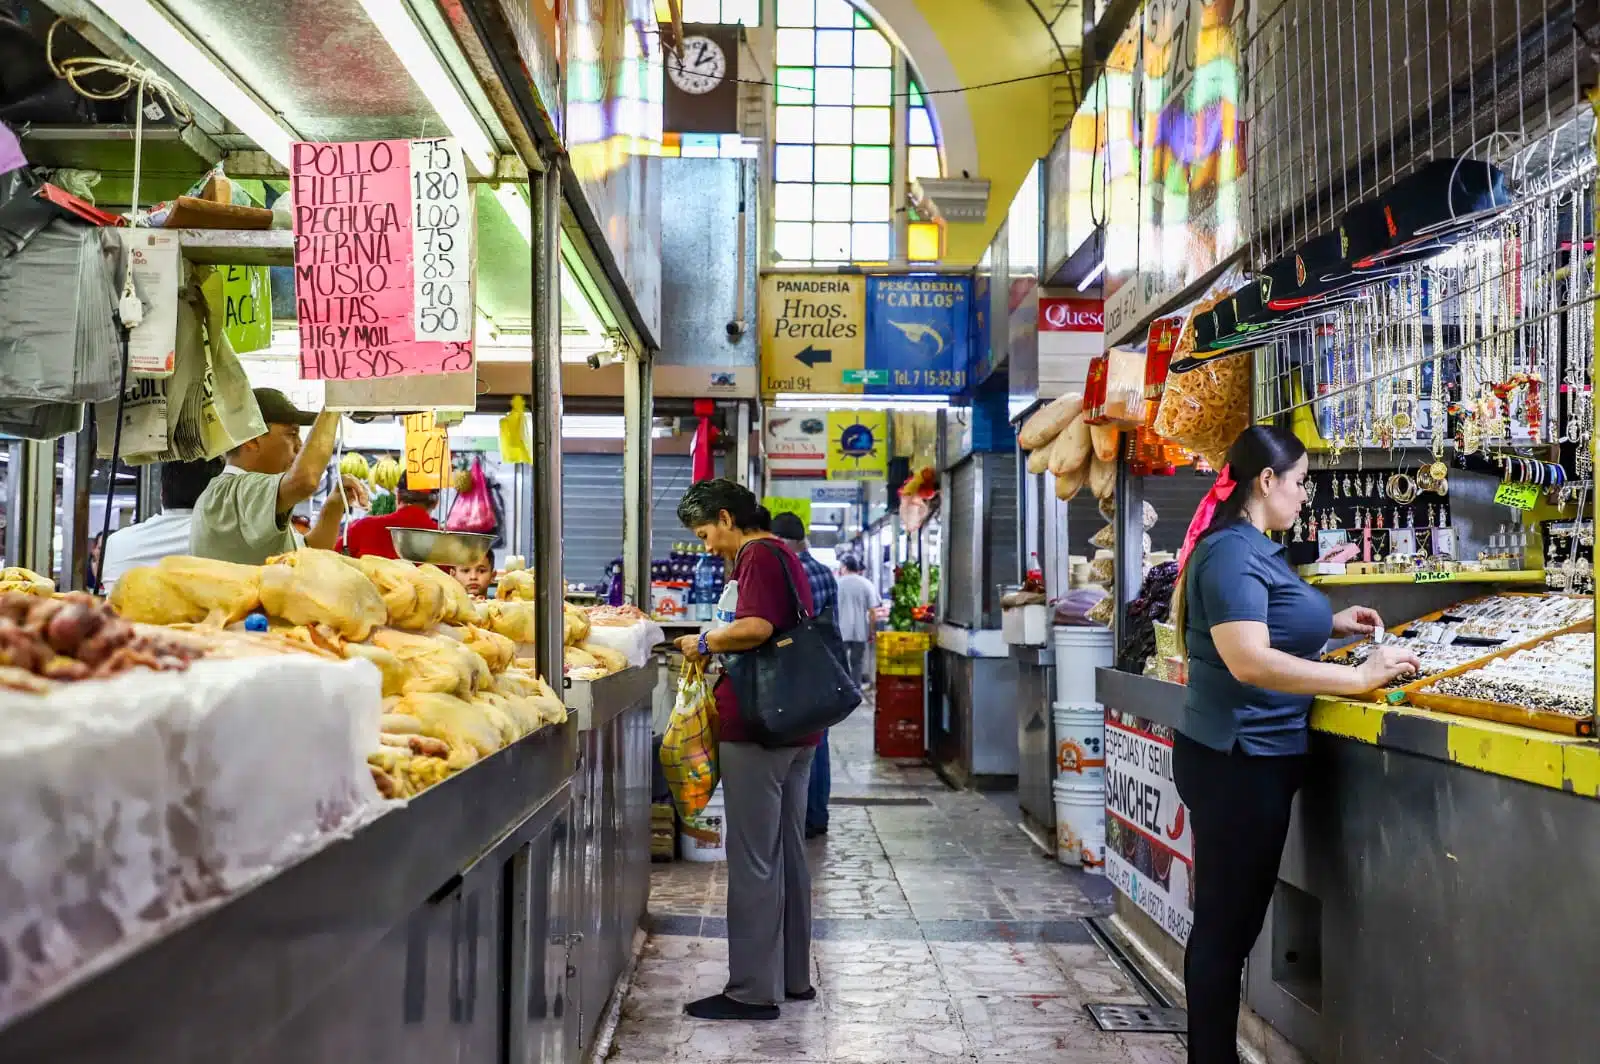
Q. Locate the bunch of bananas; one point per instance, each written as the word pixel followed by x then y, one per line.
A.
pixel 355 465
pixel 386 474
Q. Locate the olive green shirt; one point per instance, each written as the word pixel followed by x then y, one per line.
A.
pixel 236 519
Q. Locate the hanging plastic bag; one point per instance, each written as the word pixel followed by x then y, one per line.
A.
pixel 514 447
pixel 474 508
pixel 689 746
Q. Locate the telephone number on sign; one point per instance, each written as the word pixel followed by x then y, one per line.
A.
pixel 953 380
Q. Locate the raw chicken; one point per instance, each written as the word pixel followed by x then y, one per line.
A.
pixel 415 601
pixel 180 589
pixel 319 587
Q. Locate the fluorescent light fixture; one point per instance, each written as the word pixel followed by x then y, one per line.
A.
pixel 592 426
pixel 815 527
pixel 399 27
pixel 196 68
pixel 516 206
pixel 807 401
pixel 574 297
pixel 572 294
pixel 1094 275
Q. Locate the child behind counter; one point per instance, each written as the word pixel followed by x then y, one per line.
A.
pixel 477 579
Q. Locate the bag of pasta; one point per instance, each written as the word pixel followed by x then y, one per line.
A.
pixel 1206 407
pixel 689 747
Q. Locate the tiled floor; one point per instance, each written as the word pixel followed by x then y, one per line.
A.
pixel 942 934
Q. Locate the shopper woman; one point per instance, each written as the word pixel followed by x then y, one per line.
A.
pixel 1254 632
pixel 763 788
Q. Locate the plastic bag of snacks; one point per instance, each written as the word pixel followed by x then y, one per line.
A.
pixel 1205 408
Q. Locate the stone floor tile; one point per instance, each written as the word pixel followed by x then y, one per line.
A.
pixel 940 934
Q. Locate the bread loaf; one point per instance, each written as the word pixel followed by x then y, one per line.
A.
pixel 1105 438
pixel 1039 461
pixel 1048 421
pixel 1071 449
pixel 1070 483
pixel 1103 478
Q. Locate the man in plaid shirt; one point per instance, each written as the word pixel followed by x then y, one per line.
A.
pixel 824 599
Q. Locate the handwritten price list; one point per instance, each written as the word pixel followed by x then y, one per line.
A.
pixel 383 268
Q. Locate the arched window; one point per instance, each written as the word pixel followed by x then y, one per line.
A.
pixel 835 155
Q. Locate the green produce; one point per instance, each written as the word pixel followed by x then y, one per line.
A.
pixel 905 597
pixel 355 465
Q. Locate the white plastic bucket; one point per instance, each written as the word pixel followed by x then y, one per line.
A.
pixel 1079 651
pixel 1081 826
pixel 711 819
pixel 1080 744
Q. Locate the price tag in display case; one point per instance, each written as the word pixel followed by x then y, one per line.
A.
pixel 1517 496
pixel 440 223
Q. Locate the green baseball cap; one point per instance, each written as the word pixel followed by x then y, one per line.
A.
pixel 276 409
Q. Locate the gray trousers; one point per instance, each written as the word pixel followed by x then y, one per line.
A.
pixel 857 654
pixel 769 883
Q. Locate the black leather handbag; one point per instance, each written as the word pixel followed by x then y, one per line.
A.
pixel 797 683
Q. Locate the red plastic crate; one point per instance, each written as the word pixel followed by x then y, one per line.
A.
pixel 897 727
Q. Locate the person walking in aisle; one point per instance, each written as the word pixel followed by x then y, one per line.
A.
pixel 858 598
pixel 1254 632
pixel 825 596
pixel 764 788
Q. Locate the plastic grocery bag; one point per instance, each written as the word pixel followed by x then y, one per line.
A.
pixel 689 747
pixel 514 446
pixel 473 510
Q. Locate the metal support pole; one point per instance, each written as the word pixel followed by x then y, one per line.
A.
pixel 546 509
pixel 742 472
pixel 1129 545
pixel 38 512
pixel 638 404
pixel 77 471
pixel 149 490
pixel 16 519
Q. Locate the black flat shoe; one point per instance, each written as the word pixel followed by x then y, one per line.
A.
pixel 723 1007
pixel 813 833
pixel 808 994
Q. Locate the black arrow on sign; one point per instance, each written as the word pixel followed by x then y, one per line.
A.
pixel 811 356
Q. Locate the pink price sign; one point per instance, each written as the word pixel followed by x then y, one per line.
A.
pixel 382 259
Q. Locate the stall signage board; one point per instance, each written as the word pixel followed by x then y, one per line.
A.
pixel 919 330
pixel 244 294
pixel 801 508
pixel 796 442
pixel 1143 807
pixel 427 452
pixel 383 258
pixel 858 445
pixel 812 331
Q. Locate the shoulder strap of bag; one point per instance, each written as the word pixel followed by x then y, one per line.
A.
pixel 783 563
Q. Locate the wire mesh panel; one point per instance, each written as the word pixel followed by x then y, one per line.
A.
pixel 1345 97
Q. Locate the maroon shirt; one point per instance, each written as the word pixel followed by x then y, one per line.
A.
pixel 764 593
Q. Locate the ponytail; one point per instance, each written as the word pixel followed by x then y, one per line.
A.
pixel 1258 448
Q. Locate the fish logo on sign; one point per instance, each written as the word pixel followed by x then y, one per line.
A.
pixel 916 332
pixel 857 442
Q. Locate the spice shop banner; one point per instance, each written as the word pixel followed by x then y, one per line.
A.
pixel 1149 844
pixel 848 334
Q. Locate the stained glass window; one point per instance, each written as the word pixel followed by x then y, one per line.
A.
pixel 833 153
pixel 724 11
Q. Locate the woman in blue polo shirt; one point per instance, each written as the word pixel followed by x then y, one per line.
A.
pixel 1254 632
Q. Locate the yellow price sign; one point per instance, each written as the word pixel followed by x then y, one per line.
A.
pixel 801 508
pixel 1517 496
pixel 427 452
